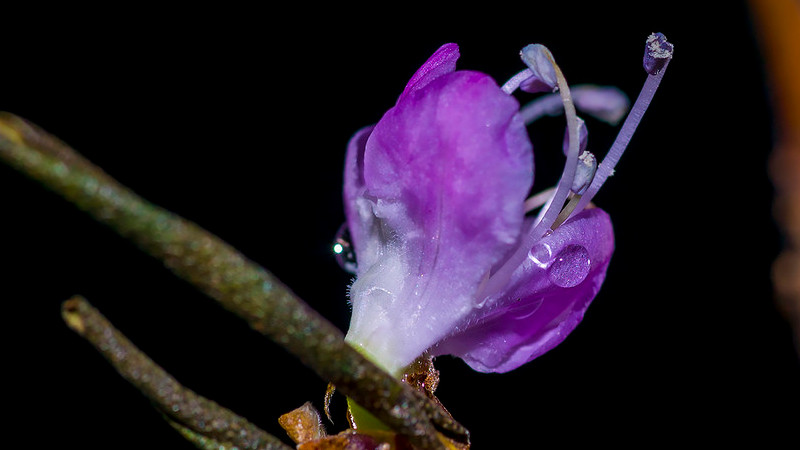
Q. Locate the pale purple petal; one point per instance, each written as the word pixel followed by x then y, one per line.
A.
pixel 445 175
pixel 442 62
pixel 360 218
pixel 545 301
pixel 359 215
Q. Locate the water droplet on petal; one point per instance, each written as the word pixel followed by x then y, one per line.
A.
pixel 570 266
pixel 343 250
pixel 541 254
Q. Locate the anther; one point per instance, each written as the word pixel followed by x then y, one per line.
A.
pixel 583 134
pixel 584 173
pixel 540 75
pixel 543 73
pixel 541 63
pixel 657 53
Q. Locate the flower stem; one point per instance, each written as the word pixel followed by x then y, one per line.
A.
pixel 224 274
pixel 198 418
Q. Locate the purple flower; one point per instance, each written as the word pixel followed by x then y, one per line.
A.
pixel 450 259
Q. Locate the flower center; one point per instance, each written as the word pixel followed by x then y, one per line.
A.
pixel 582 176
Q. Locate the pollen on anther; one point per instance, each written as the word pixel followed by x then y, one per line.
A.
pixel 658 51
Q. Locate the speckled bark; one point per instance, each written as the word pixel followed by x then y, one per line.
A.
pixel 200 416
pixel 217 269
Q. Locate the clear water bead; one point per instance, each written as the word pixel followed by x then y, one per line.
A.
pixel 343 250
pixel 541 255
pixel 570 267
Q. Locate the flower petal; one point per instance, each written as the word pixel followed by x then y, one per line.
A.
pixel 442 62
pixel 445 175
pixel 546 300
pixel 357 223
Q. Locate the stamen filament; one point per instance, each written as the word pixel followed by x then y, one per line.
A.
pixel 606 167
pixel 568 175
pixel 539 199
pixel 572 203
pixel 604 103
pixel 658 53
pixel 548 215
pixel 546 105
pixel 514 82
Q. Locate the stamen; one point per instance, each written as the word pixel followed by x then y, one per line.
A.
pixel 587 167
pixel 550 212
pixel 658 53
pixel 546 105
pixel 539 76
pixel 539 199
pixel 572 203
pixel 514 82
pixel 584 173
pixel 544 76
pixel 583 131
pixel 605 103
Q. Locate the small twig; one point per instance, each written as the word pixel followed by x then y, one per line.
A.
pixel 200 420
pixel 224 274
pixel 199 441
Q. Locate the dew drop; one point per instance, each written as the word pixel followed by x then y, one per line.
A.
pixel 541 254
pixel 343 250
pixel 570 267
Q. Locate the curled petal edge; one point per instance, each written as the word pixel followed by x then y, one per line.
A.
pixel 535 314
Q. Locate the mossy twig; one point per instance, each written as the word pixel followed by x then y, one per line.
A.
pixel 224 274
pixel 200 420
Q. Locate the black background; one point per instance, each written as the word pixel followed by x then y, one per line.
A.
pixel 238 119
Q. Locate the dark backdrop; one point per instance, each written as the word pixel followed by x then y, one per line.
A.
pixel 238 119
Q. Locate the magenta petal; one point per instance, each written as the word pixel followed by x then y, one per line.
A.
pixel 442 62
pixel 544 302
pixel 445 174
